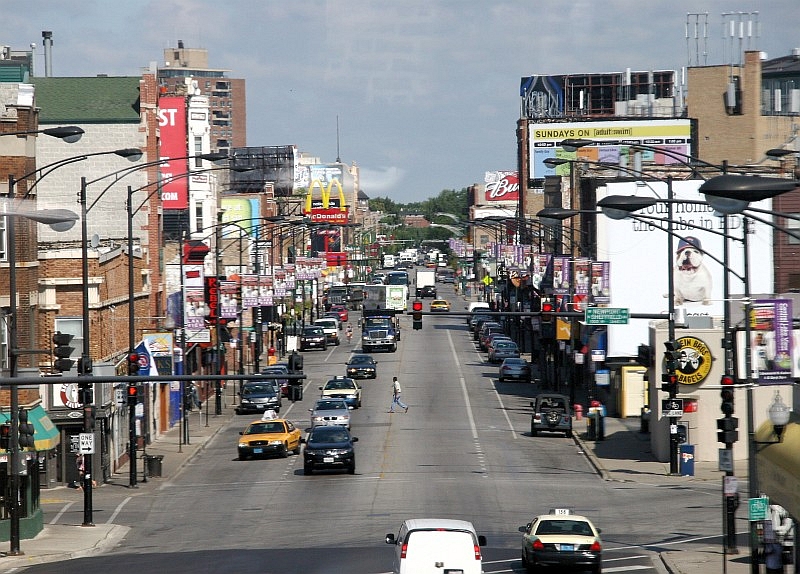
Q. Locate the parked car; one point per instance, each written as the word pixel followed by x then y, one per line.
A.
pixel 264 437
pixel 561 540
pixel 488 331
pixel 330 327
pixel 428 545
pixel 551 413
pixel 362 367
pixel 343 388
pixel 329 447
pixel 344 315
pixel 440 305
pixel 313 338
pixel 503 349
pixel 516 369
pixel 256 397
pixel 328 412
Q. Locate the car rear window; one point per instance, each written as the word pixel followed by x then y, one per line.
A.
pixel 444 545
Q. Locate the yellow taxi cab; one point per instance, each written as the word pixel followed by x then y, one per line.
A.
pixel 440 305
pixel 269 436
pixel 563 539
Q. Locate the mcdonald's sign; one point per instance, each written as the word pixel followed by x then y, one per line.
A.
pixel 326 209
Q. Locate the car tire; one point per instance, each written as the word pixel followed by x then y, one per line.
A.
pixel 568 434
pixel 296 450
pixel 338 342
pixel 308 469
pixel 533 430
pixel 285 450
pixel 501 379
pixel 242 457
pixel 351 469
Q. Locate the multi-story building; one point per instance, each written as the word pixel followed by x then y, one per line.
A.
pixel 226 96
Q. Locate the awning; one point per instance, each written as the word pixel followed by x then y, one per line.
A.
pixel 779 465
pixel 45 433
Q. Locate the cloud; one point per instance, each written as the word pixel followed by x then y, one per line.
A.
pixel 377 182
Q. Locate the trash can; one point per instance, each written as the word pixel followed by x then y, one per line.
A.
pixel 644 421
pixel 686 460
pixel 152 465
pixel 591 427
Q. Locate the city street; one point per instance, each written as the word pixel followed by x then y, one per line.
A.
pixel 462 451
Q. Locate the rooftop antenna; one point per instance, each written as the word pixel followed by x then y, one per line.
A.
pixel 694 23
pixel 338 158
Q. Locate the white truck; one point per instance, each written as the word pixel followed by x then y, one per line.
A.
pixel 396 297
pixel 426 283
pixel 389 261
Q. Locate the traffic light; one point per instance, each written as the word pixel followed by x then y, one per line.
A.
pixel 89 417
pixel 133 395
pixel 26 430
pixel 5 436
pixel 727 395
pixel 85 393
pixel 133 364
pixel 669 384
pixel 416 307
pixel 62 352
pixel 726 430
pixel 85 366
pixel 547 310
pixel 671 356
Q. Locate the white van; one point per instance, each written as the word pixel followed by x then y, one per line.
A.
pixel 437 546
pixel 477 306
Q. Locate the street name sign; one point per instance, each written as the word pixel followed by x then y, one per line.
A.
pixel 607 316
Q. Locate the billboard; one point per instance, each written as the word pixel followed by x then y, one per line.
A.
pixel 501 186
pixel 274 165
pixel 639 262
pixel 172 129
pixel 325 196
pixel 613 140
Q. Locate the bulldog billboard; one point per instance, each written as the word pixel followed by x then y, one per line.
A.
pixel 639 262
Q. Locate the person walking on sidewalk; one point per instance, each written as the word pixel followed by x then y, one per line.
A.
pixel 396 390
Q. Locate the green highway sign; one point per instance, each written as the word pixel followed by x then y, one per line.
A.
pixel 607 316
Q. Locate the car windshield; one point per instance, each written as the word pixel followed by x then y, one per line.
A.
pixel 339 384
pixel 312 331
pixel 328 434
pixel 514 362
pixel 330 406
pixel 270 427
pixel 258 389
pixel 506 345
pixel 360 359
pixel 575 527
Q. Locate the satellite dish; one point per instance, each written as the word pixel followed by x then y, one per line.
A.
pixel 95 242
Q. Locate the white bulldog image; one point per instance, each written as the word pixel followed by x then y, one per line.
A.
pixel 692 280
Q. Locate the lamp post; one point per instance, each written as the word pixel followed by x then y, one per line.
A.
pixel 732 194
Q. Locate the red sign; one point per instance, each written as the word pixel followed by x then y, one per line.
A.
pixel 336 258
pixel 503 188
pixel 332 215
pixel 172 128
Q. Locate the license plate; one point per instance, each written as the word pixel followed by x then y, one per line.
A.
pixel 328 459
pixel 257 451
pixel 567 547
pixel 453 571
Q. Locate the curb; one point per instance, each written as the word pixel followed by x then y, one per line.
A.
pixel 591 457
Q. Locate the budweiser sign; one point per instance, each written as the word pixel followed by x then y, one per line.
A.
pixel 502 186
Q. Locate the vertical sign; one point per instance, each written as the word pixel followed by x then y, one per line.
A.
pixel 172 128
pixel 771 332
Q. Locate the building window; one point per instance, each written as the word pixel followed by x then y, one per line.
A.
pixel 4 342
pixel 198 217
pixel 72 326
pixel 3 239
pixel 198 150
pixel 794 227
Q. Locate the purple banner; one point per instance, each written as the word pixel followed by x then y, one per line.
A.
pixel 771 341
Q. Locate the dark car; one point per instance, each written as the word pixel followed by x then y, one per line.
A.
pixel 362 367
pixel 257 397
pixel 313 338
pixel 329 447
pixel 516 369
pixel 551 413
pixel 281 384
pixel 426 291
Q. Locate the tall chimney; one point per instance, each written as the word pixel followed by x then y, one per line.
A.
pixel 47 41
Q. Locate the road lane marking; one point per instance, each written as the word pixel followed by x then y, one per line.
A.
pixel 58 516
pixel 471 418
pixel 117 510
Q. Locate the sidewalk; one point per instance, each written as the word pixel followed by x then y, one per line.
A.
pixel 65 541
pixel 624 455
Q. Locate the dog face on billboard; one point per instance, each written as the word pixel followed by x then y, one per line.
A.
pixel 692 280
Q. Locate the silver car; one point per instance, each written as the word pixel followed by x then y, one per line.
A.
pixel 327 412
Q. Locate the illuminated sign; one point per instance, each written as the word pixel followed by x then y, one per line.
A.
pixel 326 209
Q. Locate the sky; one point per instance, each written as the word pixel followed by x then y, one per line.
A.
pixel 425 92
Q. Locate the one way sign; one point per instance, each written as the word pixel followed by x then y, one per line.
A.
pixel 672 407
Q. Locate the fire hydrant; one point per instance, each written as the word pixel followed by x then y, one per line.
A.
pixel 272 359
pixel 578 408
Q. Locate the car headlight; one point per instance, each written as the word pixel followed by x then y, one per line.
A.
pixel 317 419
pixel 246 400
pixel 243 445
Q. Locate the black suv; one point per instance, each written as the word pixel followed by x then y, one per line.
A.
pixel 551 413
pixel 329 447
pixel 426 291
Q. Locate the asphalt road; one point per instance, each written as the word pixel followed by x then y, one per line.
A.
pixel 462 451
